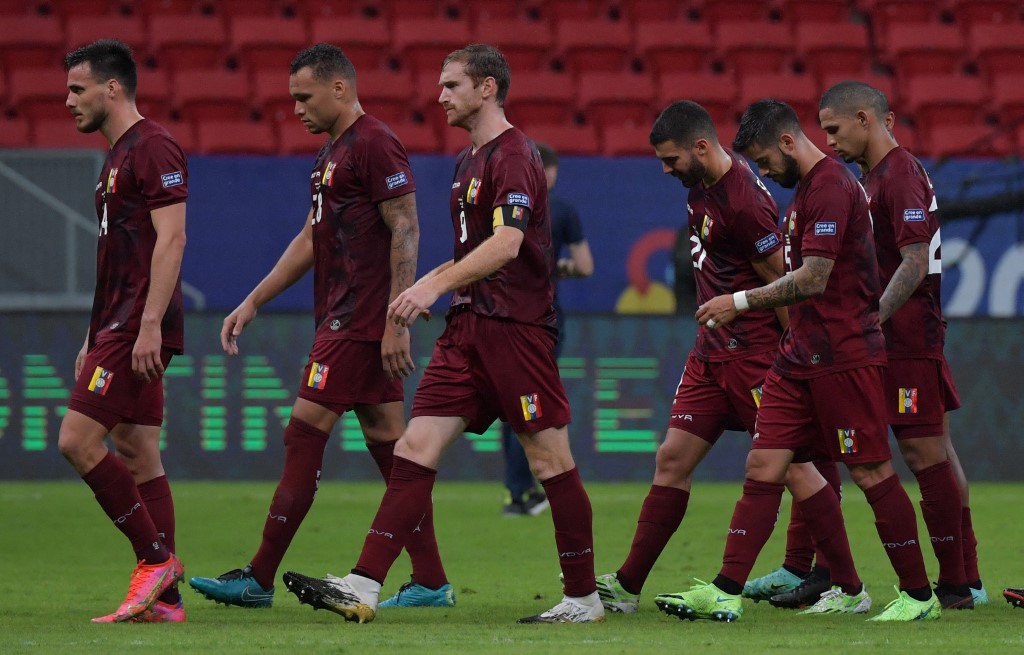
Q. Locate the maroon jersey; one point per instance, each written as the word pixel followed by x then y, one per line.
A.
pixel 364 166
pixel 506 171
pixel 903 211
pixel 839 329
pixel 731 223
pixel 144 170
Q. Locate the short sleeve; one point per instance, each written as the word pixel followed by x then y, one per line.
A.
pixel 573 233
pixel 513 183
pixel 908 201
pixel 757 229
pixel 386 168
pixel 824 215
pixel 161 171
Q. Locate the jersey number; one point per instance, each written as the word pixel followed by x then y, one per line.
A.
pixel 464 235
pixel 698 259
pixel 103 221
pixel 319 208
pixel 934 255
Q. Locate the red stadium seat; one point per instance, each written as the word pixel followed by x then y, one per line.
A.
pixel 997 47
pixel 565 138
pixel 968 141
pixel 294 139
pixel 616 98
pixel 527 45
pixel 1008 96
pixel 72 10
pixel 432 9
pixel 265 42
pixel 971 12
pixel 39 92
pixel 798 91
pixel 748 47
pixel 270 96
pixel 62 133
pixel 202 95
pixel 594 45
pixel 30 40
pixel 649 11
pixel 153 97
pixel 454 141
pixel 250 8
pixel 716 93
pixel 235 137
pixel 946 100
pixel 15 133
pixel 924 48
pixel 169 7
pixel 541 97
pixel 568 10
pixel 832 48
pixel 387 95
pixel 86 29
pixel 417 137
pixel 668 46
pixel 493 10
pixel 423 43
pixel 315 10
pixel 181 42
pixel 365 41
pixel 626 140
pixel 881 14
pixel 815 11
pixel 184 134
pixel 734 10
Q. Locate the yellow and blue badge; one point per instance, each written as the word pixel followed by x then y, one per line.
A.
pixel 473 190
pixel 317 375
pixel 531 406
pixel 756 393
pixel 101 379
pixel 908 400
pixel 848 441
pixel 328 174
pixel 112 181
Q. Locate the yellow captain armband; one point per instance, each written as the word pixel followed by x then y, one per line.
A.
pixel 511 216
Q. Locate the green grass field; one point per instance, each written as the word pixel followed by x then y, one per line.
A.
pixel 62 563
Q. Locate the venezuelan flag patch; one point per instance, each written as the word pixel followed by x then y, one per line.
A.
pixel 317 375
pixel 531 406
pixel 100 382
pixel 756 393
pixel 847 441
pixel 908 400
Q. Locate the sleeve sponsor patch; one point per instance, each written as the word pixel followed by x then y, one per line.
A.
pixel 172 179
pixel 519 199
pixel 767 243
pixel 913 215
pixel 396 180
pixel 825 228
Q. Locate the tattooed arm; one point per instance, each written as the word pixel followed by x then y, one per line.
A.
pixel 769 269
pixel 399 214
pixel 805 282
pixel 905 280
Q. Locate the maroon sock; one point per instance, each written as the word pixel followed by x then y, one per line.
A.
pixel 404 506
pixel 574 531
pixel 156 495
pixel 427 568
pixel 660 516
pixel 117 494
pixel 825 523
pixel 940 508
pixel 897 527
pixel 799 544
pixel 303 456
pixel 830 471
pixel 752 524
pixel 970 544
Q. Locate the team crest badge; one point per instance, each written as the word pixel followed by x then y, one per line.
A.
pixel 531 406
pixel 317 375
pixel 848 441
pixel 100 382
pixel 908 400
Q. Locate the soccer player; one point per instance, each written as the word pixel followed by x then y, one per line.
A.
pixel 137 324
pixel 525 499
pixel 495 358
pixel 736 245
pixel 919 388
pixel 361 239
pixel 833 349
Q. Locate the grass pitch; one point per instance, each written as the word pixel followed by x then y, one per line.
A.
pixel 61 563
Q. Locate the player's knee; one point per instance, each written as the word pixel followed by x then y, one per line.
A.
pixel 70 445
pixel 765 467
pixel 920 454
pixel 670 464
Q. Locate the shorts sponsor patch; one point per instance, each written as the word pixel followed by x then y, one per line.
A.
pixel 531 406
pixel 317 375
pixel 825 228
pixel 100 382
pixel 519 199
pixel 172 179
pixel 908 400
pixel 913 215
pixel 848 441
pixel 767 243
pixel 396 180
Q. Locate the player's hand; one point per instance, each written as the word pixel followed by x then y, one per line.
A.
pixel 234 324
pixel 395 352
pixel 412 303
pixel 566 268
pixel 717 312
pixel 146 362
pixel 80 360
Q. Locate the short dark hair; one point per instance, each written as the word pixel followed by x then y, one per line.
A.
pixel 764 122
pixel 108 59
pixel 326 62
pixel 483 61
pixel 683 122
pixel 850 96
pixel 548 156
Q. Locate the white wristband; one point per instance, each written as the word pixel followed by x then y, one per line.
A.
pixel 740 300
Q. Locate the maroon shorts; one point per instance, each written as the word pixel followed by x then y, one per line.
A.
pixel 918 393
pixel 835 416
pixel 717 396
pixel 109 392
pixel 341 374
pixel 485 368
